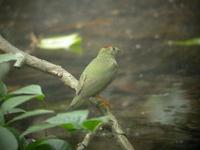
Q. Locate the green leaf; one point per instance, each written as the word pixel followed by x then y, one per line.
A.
pixel 38 127
pixel 58 144
pixel 2 119
pixel 190 42
pixel 3 90
pixel 12 102
pixel 49 144
pixel 21 140
pixel 93 123
pixel 30 90
pixel 70 120
pixel 31 114
pixel 71 126
pixel 76 47
pixel 7 57
pixel 16 110
pixel 38 145
pixel 7 140
pixel 72 41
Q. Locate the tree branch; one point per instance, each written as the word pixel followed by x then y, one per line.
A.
pixel 119 134
pixel 68 80
pixel 40 64
pixel 89 136
pixel 85 142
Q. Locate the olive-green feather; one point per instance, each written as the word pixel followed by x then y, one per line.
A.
pixel 96 76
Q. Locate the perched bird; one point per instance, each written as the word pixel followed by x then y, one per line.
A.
pixel 98 74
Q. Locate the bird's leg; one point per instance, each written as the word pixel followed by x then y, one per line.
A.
pixel 103 102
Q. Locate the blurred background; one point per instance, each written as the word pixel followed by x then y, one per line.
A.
pixel 156 94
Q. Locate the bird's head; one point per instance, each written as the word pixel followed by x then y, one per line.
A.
pixel 110 50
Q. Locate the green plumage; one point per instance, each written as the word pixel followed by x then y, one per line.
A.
pixel 96 76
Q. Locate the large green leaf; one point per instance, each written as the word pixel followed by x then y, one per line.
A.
pixel 7 57
pixel 92 123
pixel 3 90
pixel 38 127
pixel 31 114
pixel 12 102
pixel 7 140
pixel 22 142
pixel 30 90
pixel 69 120
pixel 69 117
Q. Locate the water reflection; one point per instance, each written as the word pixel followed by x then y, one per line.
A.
pixel 168 108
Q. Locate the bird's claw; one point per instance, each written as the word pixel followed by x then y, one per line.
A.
pixel 103 102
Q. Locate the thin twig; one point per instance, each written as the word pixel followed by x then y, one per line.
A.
pixel 85 142
pixel 68 80
pixel 119 133
pixel 89 136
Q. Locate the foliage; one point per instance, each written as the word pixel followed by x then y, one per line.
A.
pixel 3 90
pixel 189 42
pixel 70 42
pixel 11 112
pixel 71 121
pixel 7 139
pixel 10 103
pixel 49 144
pixel 7 57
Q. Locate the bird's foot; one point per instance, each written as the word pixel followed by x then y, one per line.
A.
pixel 103 102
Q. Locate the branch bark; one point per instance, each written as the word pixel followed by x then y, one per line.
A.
pixel 68 80
pixel 85 142
pixel 40 64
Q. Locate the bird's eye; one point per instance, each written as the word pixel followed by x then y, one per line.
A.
pixel 114 48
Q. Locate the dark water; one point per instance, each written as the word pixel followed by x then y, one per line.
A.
pixel 156 94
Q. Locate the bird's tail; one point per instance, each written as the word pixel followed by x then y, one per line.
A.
pixel 76 102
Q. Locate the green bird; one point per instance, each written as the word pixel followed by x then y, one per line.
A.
pixel 98 74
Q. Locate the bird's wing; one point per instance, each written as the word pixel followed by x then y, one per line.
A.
pixel 81 83
pixel 83 77
pixel 95 82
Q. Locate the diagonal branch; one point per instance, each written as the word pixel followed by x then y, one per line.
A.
pixel 88 137
pixel 40 64
pixel 68 80
pixel 119 134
